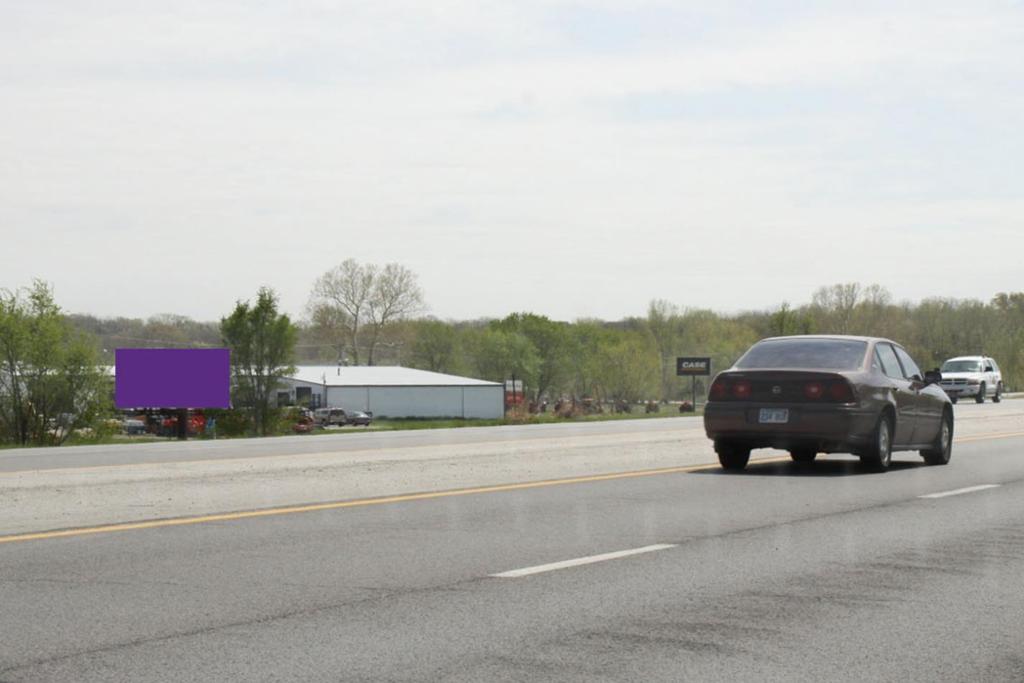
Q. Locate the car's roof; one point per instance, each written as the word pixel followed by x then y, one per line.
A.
pixel 967 358
pixel 838 337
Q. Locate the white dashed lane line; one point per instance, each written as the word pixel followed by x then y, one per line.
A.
pixel 957 492
pixel 590 559
pixel 603 557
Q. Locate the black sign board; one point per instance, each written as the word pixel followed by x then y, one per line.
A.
pixel 693 367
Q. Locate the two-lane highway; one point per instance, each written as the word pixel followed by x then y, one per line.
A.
pixel 45 489
pixel 779 573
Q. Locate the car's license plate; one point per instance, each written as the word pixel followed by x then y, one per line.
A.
pixel 774 416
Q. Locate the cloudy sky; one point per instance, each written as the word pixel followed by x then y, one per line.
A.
pixel 569 158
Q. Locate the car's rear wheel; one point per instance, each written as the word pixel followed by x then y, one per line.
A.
pixel 942 449
pixel 880 455
pixel 999 393
pixel 732 456
pixel 980 398
pixel 803 455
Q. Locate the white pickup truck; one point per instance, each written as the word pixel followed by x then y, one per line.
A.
pixel 976 376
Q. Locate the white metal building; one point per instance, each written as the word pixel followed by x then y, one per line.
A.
pixel 392 391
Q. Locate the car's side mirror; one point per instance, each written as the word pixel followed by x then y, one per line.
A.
pixel 933 376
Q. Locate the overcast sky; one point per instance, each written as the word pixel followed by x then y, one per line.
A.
pixel 575 159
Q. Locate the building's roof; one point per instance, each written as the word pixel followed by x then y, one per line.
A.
pixel 381 376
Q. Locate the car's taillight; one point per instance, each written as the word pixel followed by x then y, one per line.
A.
pixel 719 390
pixel 841 391
pixel 742 389
pixel 838 390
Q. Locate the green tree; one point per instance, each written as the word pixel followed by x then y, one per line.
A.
pixel 51 379
pixel 664 323
pixel 550 343
pixel 435 346
pixel 786 321
pixel 586 338
pixel 628 367
pixel 262 343
pixel 498 355
pixel 1007 342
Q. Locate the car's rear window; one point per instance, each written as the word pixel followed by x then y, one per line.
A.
pixel 817 354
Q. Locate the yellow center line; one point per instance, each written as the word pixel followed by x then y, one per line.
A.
pixel 987 437
pixel 364 502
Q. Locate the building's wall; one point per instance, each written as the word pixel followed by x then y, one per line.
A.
pixel 415 401
pixel 289 385
pixel 484 402
pixel 349 398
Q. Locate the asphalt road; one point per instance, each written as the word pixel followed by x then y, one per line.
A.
pixel 826 572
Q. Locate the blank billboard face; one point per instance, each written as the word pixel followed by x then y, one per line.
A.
pixel 172 378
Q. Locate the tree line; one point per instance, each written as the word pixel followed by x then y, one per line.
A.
pixel 368 314
pixel 349 320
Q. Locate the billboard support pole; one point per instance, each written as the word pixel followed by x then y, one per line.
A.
pixel 182 424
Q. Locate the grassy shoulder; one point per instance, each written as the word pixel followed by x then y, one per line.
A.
pixel 382 425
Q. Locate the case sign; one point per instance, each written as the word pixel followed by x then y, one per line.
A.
pixel 689 366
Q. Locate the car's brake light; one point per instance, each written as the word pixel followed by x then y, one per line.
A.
pixel 742 389
pixel 841 391
pixel 719 390
pixel 813 390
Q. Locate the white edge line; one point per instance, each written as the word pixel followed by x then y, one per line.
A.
pixel 590 559
pixel 957 492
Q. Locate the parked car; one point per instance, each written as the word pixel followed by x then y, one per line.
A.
pixel 831 394
pixel 330 416
pixel 977 376
pixel 133 426
pixel 304 424
pixel 359 418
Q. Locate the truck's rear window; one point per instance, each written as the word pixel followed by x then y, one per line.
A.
pixel 962 366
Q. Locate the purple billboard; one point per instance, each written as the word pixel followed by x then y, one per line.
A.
pixel 172 378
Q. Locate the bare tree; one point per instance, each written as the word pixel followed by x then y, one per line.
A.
pixel 340 302
pixel 354 298
pixel 663 322
pixel 838 302
pixel 395 296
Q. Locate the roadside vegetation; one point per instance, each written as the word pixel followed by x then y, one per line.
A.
pixel 374 314
pixel 52 384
